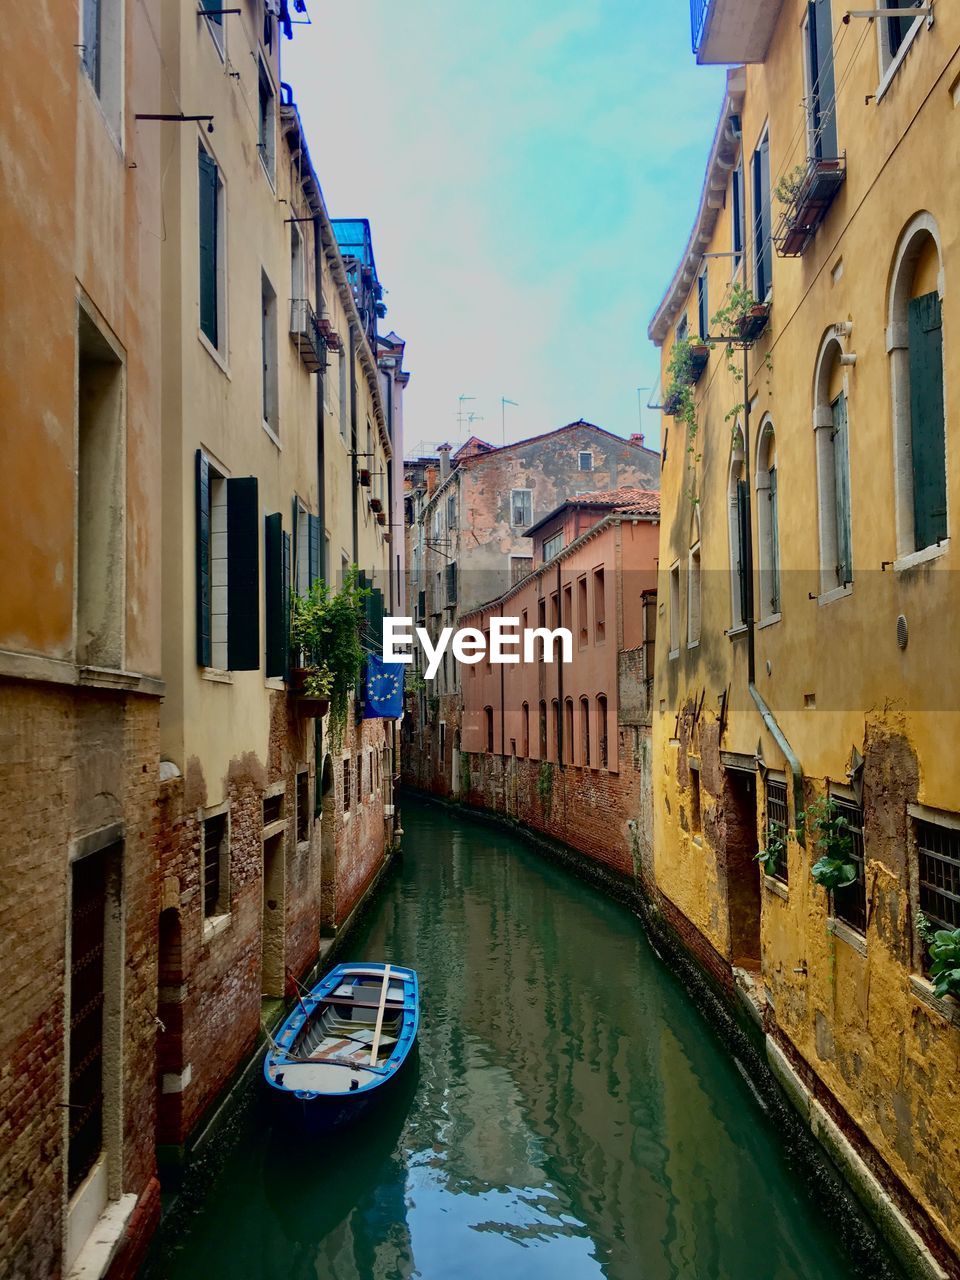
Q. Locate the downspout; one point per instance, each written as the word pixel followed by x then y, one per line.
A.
pixel 354 442
pixel 766 714
pixel 321 425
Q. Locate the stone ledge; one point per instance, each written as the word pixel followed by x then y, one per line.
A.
pixel 101 1247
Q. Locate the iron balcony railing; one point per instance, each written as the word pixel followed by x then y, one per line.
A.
pixel 698 21
pixel 305 331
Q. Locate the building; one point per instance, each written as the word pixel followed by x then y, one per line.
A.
pixel 276 462
pixel 809 487
pixel 565 747
pixel 80 659
pixel 467 522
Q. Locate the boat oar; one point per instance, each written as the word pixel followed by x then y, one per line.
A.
pixel 379 1027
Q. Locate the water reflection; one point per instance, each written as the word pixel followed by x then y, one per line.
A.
pixel 569 1115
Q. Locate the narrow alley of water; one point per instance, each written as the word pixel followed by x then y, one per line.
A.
pixel 571 1114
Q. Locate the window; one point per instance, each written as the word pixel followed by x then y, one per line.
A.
pixel 738 216
pixel 552 546
pixel 272 808
pixel 693 597
pixel 525 729
pixel 443 742
pixel 602 731
pixel 599 606
pixel 542 612
pixel 938 866
pixel 100 498
pixel 303 806
pixel 216 896
pixel 344 415
pixel 683 329
pixel 520 566
pixel 583 619
pixel 370 767
pixel 452 510
pixel 895 33
pixel 777 826
pixel 819 81
pixel 266 123
pixel 850 902
pixel 268 353
pixel 101 53
pixel 738 512
pixel 543 729
pixel 228 569
pixel 488 728
pixel 212 246
pixel 843 568
pixel 768 536
pixel 277 551
pixel 521 508
pixel 298 288
pixel 675 609
pixel 696 825
pixel 214 22
pixel 763 245
pixel 915 345
pixel 359 777
pixel 585 731
pixel 450 574
pixel 703 303
pixel 585 460
pixel 567 615
pixel 347 786
pixel 568 730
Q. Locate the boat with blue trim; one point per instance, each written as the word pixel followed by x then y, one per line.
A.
pixel 344 1040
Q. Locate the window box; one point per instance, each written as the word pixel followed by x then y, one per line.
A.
pixel 381 517
pixel 376 506
pixel 329 334
pixel 363 477
pixel 305 332
pixel 699 355
pixel 752 323
pixel 812 198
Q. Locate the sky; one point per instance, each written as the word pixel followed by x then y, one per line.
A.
pixel 531 170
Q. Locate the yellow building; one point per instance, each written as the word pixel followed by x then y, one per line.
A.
pixel 80 653
pixel 806 646
pixel 275 446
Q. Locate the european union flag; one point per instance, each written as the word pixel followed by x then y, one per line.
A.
pixel 383 689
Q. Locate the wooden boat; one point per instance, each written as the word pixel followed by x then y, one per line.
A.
pixel 345 1040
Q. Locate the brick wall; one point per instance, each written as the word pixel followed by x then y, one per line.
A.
pixel 362 832
pixel 71 762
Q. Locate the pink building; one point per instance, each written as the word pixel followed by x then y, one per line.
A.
pixel 562 746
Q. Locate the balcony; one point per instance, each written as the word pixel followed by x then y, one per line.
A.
pixel 732 31
pixel 305 331
pixel 810 197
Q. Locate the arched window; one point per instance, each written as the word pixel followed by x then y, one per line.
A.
pixel 525 729
pixel 602 729
pixel 768 526
pixel 568 730
pixel 555 707
pixel 831 425
pixel 585 731
pixel 738 506
pixel 488 727
pixel 915 347
pixel 543 729
pixel 694 582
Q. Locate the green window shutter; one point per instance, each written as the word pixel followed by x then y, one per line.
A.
pixel 820 28
pixel 278 596
pixel 762 244
pixel 313 548
pixel 204 648
pixel 841 471
pixel 743 569
pixel 774 544
pixel 373 609
pixel 926 421
pixel 208 247
pixel 243 575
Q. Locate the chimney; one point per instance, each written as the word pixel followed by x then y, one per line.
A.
pixel 444 452
pixel 637 439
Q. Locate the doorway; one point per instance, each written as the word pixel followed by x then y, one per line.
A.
pixel 743 872
pixel 272 937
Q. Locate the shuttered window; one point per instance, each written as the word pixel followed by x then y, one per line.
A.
pixel 777 827
pixel 243 590
pixel 210 194
pixel 739 218
pixel 203 602
pixel 215 896
pixel 927 420
pixel 763 245
pixel 774 547
pixel 744 576
pixel 277 578
pixel 841 472
pixel 228 570
pixel 821 87
pixel 92 20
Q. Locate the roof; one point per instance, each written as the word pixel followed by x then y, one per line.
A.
pixel 354 238
pixel 471 448
pixel 579 425
pixel 723 157
pixel 628 501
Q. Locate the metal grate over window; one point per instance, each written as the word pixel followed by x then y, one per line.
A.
pixel 214 833
pixel 850 903
pixel 938 858
pixel 303 806
pixel 777 826
pixel 272 809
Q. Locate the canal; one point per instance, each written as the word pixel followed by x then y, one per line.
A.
pixel 571 1113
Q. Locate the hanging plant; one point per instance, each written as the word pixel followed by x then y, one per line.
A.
pixel 776 850
pixel 326 627
pixel 835 868
pixel 790 185
pixel 687 361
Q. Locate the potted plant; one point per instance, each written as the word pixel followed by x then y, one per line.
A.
pixel 363 477
pixel 376 505
pixel 743 318
pixel 325 628
pixel 835 868
pixel 381 517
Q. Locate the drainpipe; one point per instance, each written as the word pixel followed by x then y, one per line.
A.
pixel 354 441
pixel 765 713
pixel 321 444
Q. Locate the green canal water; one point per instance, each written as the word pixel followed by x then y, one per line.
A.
pixel 570 1114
